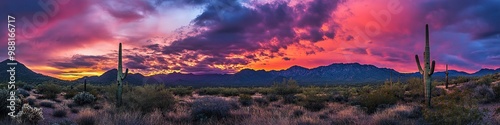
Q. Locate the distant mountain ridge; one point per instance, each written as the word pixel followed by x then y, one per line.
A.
pixel 334 74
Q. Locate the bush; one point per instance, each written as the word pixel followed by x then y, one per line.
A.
pixel 70 94
pixel 74 110
pixel 229 92
pixel 210 107
pixel 245 100
pixel 291 99
pixel 4 95
pixel 454 108
pixel 485 80
pixel 28 87
pixel 181 91
pixel 314 101
pixel 29 115
pixel 31 101
pixel 376 99
pixel 297 113
pixel 484 94
pixel 287 87
pixel 59 113
pixel 49 90
pixel 150 97
pixel 272 97
pixel 47 104
pixel 261 102
pixel 86 117
pixel 83 98
pixel 23 92
pixel 496 90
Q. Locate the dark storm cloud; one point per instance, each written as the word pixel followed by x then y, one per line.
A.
pixel 80 61
pixel 234 29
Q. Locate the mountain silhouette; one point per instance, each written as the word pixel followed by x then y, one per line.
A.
pixel 23 74
pixel 334 74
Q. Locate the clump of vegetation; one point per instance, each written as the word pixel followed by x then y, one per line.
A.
pixel 287 87
pixel 86 117
pixel 47 104
pixel 181 91
pixel 297 113
pixel 245 100
pixel 29 115
pixel 59 113
pixel 261 102
pixel 28 87
pixel 4 95
pixel 315 100
pixel 84 98
pixel 272 97
pixel 455 108
pixel 376 99
pixel 150 97
pixel 23 92
pixel 31 101
pixel 496 90
pixel 484 94
pixel 210 107
pixel 49 90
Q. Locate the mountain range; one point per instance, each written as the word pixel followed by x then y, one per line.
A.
pixel 334 74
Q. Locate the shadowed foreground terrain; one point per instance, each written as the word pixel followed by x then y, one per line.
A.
pixel 472 100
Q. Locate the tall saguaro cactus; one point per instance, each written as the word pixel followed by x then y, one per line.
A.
pixel 446 76
pixel 428 68
pixel 120 77
pixel 85 84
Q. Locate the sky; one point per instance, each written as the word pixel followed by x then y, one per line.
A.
pixel 71 39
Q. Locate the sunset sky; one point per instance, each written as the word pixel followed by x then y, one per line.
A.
pixel 80 38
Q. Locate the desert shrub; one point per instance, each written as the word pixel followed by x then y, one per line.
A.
pixel 399 114
pixel 31 101
pixel 314 101
pixel 4 95
pixel 414 88
pixel 209 107
pixel 23 92
pixel 86 117
pixel 181 91
pixel 150 97
pixel 245 100
pixel 84 98
pixel 229 92
pixel 287 87
pixel 209 91
pixel 29 115
pixel 349 116
pixel 272 97
pixel 49 90
pixel 496 90
pixel 70 93
pixel 261 102
pixel 454 108
pixel 28 87
pixel 376 99
pixel 247 91
pixel 484 94
pixel 74 110
pixel 485 80
pixel 47 104
pixel 59 113
pixel 290 99
pixel 297 113
pixel 336 97
pixel 265 90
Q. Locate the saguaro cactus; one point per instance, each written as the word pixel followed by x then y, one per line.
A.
pixel 120 77
pixel 85 84
pixel 446 76
pixel 428 68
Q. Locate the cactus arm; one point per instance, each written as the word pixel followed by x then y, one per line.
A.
pixel 432 68
pixel 125 75
pixel 418 65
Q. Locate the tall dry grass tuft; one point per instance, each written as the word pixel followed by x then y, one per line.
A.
pixel 399 114
pixel 87 117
